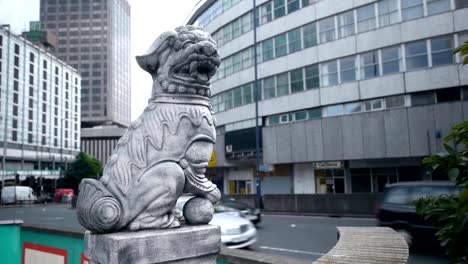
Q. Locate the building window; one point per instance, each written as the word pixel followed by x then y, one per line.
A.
pixel 237 96
pixel 334 110
pixel 366 18
pixel 448 95
pixel 461 4
pixel 388 12
pixel 352 108
pixel 300 115
pixel 228 66
pixel 269 87
pixel 280 9
pixel 310 35
pixel 312 77
pixel 329 73
pixel 17 49
pixel 247 58
pixel 294 40
pixel 315 113
pixel 411 9
pixel 293 5
pixel 327 29
pixel 372 105
pixel 391 60
pixel 247 96
pixel 297 81
pixel 346 24
pixel 348 69
pixel 281 47
pixel 416 55
pixel 266 13
pixel 246 22
pixel 228 98
pixel 422 98
pixel 369 64
pixel 236 28
pixel 441 49
pixel 437 6
pixel 395 101
pixel 236 62
pixel 267 48
pixel 282 84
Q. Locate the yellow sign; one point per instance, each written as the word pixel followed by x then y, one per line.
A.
pixel 212 162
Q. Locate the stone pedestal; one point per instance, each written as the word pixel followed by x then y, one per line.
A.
pixel 187 245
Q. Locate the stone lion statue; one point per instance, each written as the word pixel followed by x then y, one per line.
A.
pixel 165 152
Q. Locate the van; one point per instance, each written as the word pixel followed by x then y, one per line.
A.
pixel 24 194
pixel 398 212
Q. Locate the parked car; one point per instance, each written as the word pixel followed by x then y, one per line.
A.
pixel 63 195
pixel 396 210
pixel 23 194
pixel 44 198
pixel 236 231
pixel 251 213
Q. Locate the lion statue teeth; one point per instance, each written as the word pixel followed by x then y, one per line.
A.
pixel 165 152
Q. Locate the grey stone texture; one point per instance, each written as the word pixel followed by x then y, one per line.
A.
pixel 165 152
pixel 198 211
pixel 187 245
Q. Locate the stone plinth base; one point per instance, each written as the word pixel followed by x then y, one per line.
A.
pixel 187 245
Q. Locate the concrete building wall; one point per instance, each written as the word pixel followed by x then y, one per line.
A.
pixel 404 132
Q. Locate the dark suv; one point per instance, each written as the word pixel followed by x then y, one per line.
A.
pixel 396 210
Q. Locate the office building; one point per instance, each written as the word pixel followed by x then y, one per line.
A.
pixel 353 94
pixel 94 37
pixel 39 109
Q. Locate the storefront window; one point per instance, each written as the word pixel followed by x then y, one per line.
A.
pixel 330 181
pixel 240 187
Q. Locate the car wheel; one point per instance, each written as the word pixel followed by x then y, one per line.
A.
pixel 406 235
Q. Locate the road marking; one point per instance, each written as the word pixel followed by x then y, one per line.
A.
pixel 292 251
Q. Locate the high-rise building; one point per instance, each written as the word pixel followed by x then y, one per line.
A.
pixel 94 37
pixel 39 109
pixel 353 94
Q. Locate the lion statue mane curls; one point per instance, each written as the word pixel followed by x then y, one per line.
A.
pixel 165 152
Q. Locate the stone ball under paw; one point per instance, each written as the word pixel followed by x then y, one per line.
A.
pixel 198 211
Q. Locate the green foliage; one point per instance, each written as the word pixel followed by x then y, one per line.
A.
pixel 463 49
pixel 450 213
pixel 84 166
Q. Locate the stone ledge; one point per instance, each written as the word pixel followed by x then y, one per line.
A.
pixel 188 244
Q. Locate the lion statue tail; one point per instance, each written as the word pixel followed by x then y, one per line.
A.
pixel 96 207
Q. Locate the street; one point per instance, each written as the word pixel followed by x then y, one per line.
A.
pixel 305 237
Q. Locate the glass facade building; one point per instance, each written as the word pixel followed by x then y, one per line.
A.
pixel 94 37
pixel 39 106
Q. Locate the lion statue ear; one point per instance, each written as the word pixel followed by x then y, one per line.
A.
pixel 150 60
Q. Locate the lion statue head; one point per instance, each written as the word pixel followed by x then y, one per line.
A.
pixel 181 62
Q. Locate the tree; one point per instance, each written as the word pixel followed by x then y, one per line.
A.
pixel 463 49
pixel 450 213
pixel 84 166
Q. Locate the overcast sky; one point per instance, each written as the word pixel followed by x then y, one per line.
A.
pixel 149 18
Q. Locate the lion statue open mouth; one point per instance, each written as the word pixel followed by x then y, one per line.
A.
pixel 187 67
pixel 165 151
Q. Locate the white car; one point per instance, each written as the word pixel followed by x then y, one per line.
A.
pixel 236 231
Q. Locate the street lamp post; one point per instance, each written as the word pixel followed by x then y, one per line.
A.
pixel 257 128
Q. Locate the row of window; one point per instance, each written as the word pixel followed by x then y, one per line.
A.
pixel 394 59
pixel 365 18
pixel 329 29
pixel 216 9
pixel 414 99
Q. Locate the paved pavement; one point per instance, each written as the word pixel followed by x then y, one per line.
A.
pixel 305 237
